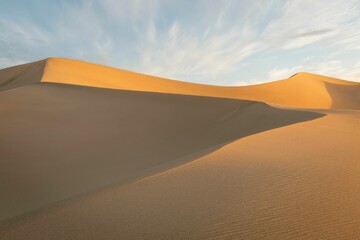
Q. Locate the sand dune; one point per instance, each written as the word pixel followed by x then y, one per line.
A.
pixel 303 90
pixel 21 75
pixel 296 182
pixel 51 131
pixel 91 152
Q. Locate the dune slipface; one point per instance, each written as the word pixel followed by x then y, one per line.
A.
pixel 91 152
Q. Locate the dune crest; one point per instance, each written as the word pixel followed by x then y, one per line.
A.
pixel 92 152
pixel 303 90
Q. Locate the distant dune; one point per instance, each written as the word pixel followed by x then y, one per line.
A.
pixel 92 152
pixel 302 90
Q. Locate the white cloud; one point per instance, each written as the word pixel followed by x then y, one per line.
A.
pixel 280 73
pixel 181 54
pixel 128 12
pixel 303 22
pixel 78 34
pixel 26 32
pixel 332 68
pixel 191 53
pixel 213 55
pixel 353 74
pixel 203 41
pixel 245 82
pixel 19 43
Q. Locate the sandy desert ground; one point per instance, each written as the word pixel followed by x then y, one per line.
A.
pixel 93 152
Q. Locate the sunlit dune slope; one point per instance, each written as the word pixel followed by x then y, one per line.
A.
pixel 302 90
pixel 306 90
pixel 299 181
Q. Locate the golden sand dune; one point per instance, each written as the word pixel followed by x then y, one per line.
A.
pixel 82 157
pixel 84 138
pixel 301 90
pixel 296 182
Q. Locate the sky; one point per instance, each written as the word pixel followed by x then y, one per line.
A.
pixel 228 42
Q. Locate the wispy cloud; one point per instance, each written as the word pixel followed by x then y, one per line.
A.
pixel 130 12
pixel 304 22
pixel 205 56
pixel 335 68
pixel 206 41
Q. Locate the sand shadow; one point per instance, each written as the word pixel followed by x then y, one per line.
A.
pixel 344 96
pixel 20 75
pixel 62 142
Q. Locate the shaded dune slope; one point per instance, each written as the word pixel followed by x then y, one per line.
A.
pixel 302 90
pixel 16 76
pixel 299 181
pixel 63 140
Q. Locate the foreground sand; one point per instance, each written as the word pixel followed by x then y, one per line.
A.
pixel 80 162
pixel 295 182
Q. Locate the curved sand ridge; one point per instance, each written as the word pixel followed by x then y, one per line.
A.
pixel 303 90
pixel 86 162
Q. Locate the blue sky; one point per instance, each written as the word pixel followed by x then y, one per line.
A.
pixel 230 42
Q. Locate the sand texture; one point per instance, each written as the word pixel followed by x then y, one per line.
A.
pixel 92 152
